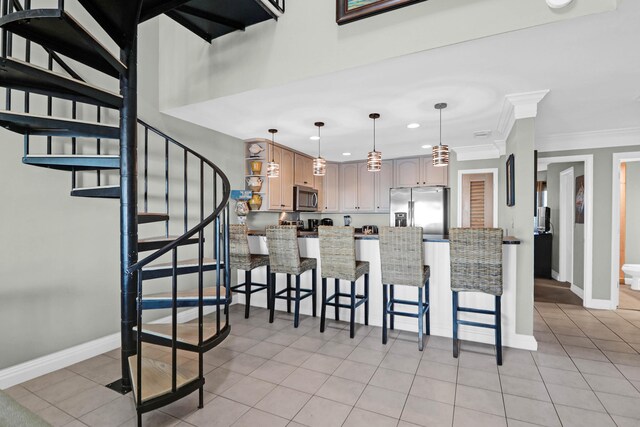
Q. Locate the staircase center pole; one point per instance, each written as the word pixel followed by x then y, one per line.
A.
pixel 128 204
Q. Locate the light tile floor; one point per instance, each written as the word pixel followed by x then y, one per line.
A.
pixel 586 373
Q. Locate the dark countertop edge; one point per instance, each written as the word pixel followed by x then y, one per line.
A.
pixel 427 238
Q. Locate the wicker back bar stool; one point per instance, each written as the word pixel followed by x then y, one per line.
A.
pixel 338 259
pixel 242 259
pixel 476 266
pixel 402 261
pixel 284 258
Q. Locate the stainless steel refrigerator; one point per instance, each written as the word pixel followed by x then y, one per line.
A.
pixel 426 207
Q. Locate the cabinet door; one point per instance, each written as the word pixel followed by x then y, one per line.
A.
pixel 331 188
pixel 432 175
pixel 286 176
pixel 366 189
pixel 303 170
pixel 349 187
pixel 318 184
pixel 275 184
pixel 384 182
pixel 407 172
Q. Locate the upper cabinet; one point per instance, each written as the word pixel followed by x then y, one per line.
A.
pixel 384 182
pixel 318 184
pixel 280 190
pixel 274 185
pixel 332 192
pixel 303 170
pixel 349 187
pixel 419 171
pixel 366 188
pixel 432 175
pixel 286 177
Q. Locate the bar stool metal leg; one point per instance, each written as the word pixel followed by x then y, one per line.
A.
pixel 247 295
pixel 366 298
pixel 288 293
pixel 314 285
pixel 352 320
pixel 454 299
pixel 273 297
pixel 385 300
pixel 426 292
pixel 391 316
pixel 268 287
pixel 420 320
pixel 498 330
pixel 323 310
pixel 296 313
pixel 337 299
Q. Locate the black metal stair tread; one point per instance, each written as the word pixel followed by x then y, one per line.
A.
pixel 73 161
pixel 103 191
pixel 184 263
pixel 190 266
pixel 33 124
pixel 117 18
pixel 57 30
pixel 153 243
pixel 208 293
pixel 149 217
pixel 186 333
pixel 20 75
pixel 156 372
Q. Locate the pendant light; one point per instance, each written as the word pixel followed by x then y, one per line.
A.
pixel 374 158
pixel 273 168
pixel 319 163
pixel 440 152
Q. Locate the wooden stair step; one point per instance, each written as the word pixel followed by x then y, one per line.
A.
pixel 73 162
pixel 188 266
pixel 149 217
pixel 187 332
pixel 102 192
pixel 55 29
pixel 154 243
pixel 31 124
pixel 156 375
pixel 20 75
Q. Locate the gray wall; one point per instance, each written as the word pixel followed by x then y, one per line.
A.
pixel 602 171
pixel 59 275
pixel 553 201
pixel 518 219
pixel 632 253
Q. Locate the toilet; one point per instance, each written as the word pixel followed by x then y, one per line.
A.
pixel 633 270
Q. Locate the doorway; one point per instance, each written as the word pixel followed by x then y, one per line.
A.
pixel 477 198
pixel 566 226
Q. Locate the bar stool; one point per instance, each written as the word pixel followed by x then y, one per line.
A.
pixel 338 259
pixel 402 261
pixel 476 266
pixel 284 258
pixel 241 259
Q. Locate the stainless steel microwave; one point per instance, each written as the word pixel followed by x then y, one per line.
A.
pixel 305 199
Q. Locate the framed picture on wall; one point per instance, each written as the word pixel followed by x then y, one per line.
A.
pixel 352 10
pixel 580 199
pixel 511 180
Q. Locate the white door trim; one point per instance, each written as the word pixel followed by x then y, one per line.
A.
pixel 588 300
pixel 493 171
pixel 567 192
pixel 618 158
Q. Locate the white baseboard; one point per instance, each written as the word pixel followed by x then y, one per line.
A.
pixel 34 368
pixel 599 304
pixel 627 281
pixel 555 275
pixel 578 291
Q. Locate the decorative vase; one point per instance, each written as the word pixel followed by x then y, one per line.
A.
pixel 242 210
pixel 255 202
pixel 256 167
pixel 255 150
pixel 254 183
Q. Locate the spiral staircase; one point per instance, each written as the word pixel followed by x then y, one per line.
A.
pixel 161 362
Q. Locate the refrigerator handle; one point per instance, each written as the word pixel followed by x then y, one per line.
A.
pixel 410 212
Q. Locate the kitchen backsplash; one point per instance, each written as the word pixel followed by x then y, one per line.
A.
pixel 260 221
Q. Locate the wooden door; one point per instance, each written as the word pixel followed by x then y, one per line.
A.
pixel 274 185
pixel 407 172
pixel 286 176
pixel 384 182
pixel 349 187
pixel 432 175
pixel 366 189
pixel 477 200
pixel 332 188
pixel 318 184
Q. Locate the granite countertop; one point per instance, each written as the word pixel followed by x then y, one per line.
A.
pixel 508 240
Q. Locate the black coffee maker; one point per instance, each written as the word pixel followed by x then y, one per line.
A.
pixel 313 224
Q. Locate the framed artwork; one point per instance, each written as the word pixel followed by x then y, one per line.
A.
pixel 511 180
pixel 580 199
pixel 352 10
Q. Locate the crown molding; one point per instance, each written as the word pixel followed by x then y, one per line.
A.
pixel 518 106
pixel 476 152
pixel 589 140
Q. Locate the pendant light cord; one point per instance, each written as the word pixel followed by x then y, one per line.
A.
pixel 318 141
pixel 441 127
pixel 374 134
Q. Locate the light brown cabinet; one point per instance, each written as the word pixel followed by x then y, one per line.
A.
pixel 384 182
pixel 274 185
pixel 418 171
pixel 349 187
pixel 432 175
pixel 303 170
pixel 332 188
pixel 366 189
pixel 318 184
pixel 280 192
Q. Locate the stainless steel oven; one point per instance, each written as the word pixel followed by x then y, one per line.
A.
pixel 305 199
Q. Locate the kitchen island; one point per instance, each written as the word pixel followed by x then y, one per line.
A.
pixel 437 257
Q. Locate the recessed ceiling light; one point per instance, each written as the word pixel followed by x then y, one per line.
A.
pixel 346 154
pixel 413 125
pixel 426 146
pixel 314 138
pixel 557 4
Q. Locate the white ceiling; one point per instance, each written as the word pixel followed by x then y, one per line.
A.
pixel 590 64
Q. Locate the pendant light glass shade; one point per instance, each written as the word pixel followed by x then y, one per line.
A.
pixel 440 152
pixel 273 168
pixel 319 163
pixel 374 158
